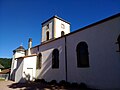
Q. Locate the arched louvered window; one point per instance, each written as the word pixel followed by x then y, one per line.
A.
pixel 55 58
pixel 39 61
pixel 62 33
pixel 118 42
pixel 82 55
pixel 47 35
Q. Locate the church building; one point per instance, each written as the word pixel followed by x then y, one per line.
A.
pixel 90 54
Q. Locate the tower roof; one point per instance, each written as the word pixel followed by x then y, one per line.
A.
pixel 20 48
pixel 55 17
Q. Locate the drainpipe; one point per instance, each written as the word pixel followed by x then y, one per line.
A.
pixel 66 60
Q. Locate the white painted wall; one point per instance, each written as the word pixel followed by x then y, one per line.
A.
pixel 44 30
pixel 58 29
pixel 35 50
pixel 29 67
pixel 25 66
pixel 47 72
pixel 19 54
pixel 103 58
pixel 14 63
pixel 19 71
pixel 54 28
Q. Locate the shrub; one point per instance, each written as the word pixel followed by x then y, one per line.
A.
pixel 62 82
pixel 40 80
pixel 74 85
pixel 68 84
pixel 83 86
pixel 53 82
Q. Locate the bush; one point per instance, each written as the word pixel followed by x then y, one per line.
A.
pixel 74 85
pixel 40 80
pixel 68 84
pixel 65 84
pixel 83 86
pixel 53 82
pixel 62 83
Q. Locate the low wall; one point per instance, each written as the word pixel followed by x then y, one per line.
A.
pixel 4 76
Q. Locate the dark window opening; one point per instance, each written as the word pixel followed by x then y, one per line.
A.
pixel 39 61
pixel 82 55
pixel 118 42
pixel 55 58
pixel 62 33
pixel 47 26
pixel 47 35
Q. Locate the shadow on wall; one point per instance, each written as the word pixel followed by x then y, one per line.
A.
pixel 27 76
pixel 14 73
pixel 12 77
pixel 46 70
pixel 45 67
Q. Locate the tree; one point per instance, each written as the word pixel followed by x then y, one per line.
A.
pixel 6 62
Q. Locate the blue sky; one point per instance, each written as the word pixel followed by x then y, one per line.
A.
pixel 21 19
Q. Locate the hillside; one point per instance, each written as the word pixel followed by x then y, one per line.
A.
pixel 6 62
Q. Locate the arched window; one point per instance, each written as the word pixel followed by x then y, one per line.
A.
pixel 39 61
pixel 47 35
pixel 62 33
pixel 82 55
pixel 118 42
pixel 55 58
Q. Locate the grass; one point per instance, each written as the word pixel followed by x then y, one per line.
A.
pixel 1 79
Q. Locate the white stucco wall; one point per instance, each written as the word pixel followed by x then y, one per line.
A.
pixel 103 58
pixel 35 50
pixel 50 29
pixel 25 66
pixel 19 70
pixel 54 28
pixel 58 28
pixel 47 72
pixel 14 63
pixel 29 67
pixel 19 54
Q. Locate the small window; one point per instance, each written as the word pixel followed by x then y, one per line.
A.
pixel 55 58
pixel 39 60
pixel 82 55
pixel 62 33
pixel 62 26
pixel 118 42
pixel 47 26
pixel 47 35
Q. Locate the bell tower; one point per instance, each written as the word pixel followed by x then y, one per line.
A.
pixel 53 28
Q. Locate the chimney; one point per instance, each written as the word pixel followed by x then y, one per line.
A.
pixel 29 46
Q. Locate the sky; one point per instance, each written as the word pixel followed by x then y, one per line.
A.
pixel 21 19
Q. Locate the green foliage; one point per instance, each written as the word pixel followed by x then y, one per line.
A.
pixel 6 62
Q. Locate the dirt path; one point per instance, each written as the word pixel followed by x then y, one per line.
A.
pixel 10 85
pixel 5 85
